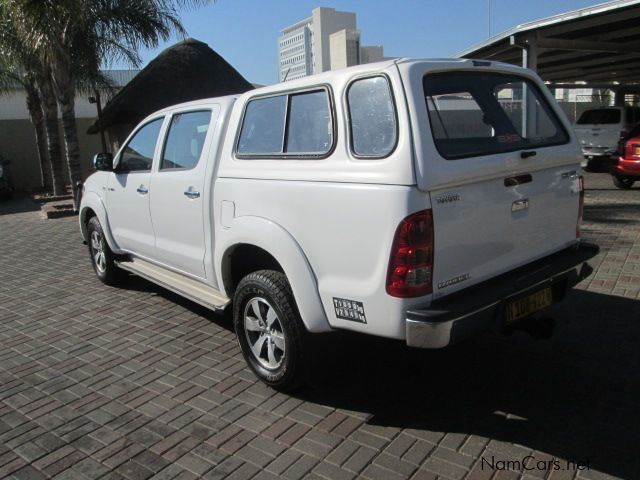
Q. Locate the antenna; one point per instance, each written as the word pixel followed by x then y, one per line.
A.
pixel 286 74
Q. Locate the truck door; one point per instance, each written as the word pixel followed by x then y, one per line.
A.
pixel 179 196
pixel 128 191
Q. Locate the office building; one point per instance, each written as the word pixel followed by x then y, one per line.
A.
pixel 326 40
pixel 344 48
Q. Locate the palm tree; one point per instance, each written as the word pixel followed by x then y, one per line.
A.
pixel 34 106
pixel 52 129
pixel 80 35
pixel 19 65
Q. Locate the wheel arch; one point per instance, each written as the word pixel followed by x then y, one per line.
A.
pixel 92 206
pixel 258 243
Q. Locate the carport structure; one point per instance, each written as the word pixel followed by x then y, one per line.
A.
pixel 597 46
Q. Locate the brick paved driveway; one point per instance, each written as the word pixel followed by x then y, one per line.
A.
pixel 99 382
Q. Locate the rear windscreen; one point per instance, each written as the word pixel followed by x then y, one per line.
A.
pixel 479 113
pixel 603 116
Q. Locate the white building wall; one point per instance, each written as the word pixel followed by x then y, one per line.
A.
pixel 14 106
pixel 344 49
pixel 371 54
pixel 325 22
pixel 17 135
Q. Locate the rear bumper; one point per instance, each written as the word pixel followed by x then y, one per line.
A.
pixel 597 151
pixel 480 307
pixel 629 168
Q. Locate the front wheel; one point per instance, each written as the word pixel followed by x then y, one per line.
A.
pixel 625 183
pixel 269 328
pixel 102 258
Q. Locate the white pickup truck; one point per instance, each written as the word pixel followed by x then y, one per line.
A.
pixel 422 200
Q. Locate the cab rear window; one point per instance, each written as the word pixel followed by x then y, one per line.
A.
pixel 480 113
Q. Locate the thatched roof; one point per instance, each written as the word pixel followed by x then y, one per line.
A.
pixel 189 70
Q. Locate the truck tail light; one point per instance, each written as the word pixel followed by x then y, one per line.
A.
pixel 580 205
pixel 410 271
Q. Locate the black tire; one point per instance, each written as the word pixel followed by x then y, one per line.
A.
pixel 624 183
pixel 105 267
pixel 269 291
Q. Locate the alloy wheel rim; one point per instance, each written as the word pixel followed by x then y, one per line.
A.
pixel 97 252
pixel 264 333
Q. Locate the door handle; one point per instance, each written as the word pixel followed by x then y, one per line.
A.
pixel 528 153
pixel 192 194
pixel 517 180
pixel 142 190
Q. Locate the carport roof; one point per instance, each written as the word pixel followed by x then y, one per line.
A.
pixel 598 44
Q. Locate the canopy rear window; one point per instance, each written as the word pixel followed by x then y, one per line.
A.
pixel 480 113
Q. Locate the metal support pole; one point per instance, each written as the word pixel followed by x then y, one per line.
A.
pixel 529 113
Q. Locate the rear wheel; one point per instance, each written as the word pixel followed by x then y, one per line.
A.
pixel 269 328
pixel 624 183
pixel 102 258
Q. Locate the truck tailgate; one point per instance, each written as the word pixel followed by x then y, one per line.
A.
pixel 600 138
pixel 491 226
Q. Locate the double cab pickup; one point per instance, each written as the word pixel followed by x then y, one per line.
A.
pixel 420 200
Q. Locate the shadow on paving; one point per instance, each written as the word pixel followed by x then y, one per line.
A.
pixel 574 396
pixel 18 204
pixel 139 284
pixel 612 213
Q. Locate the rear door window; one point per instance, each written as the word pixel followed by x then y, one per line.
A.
pixel 185 140
pixel 477 113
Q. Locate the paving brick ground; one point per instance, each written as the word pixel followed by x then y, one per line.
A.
pixel 134 383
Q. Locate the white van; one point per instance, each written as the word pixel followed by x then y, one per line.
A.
pixel 600 129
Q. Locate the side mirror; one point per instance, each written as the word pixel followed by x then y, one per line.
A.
pixel 103 162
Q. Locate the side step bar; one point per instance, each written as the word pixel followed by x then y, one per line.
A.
pixel 187 287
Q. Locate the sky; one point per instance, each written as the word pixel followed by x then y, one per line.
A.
pixel 245 32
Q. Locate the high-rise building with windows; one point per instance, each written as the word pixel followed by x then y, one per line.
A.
pixel 326 40
pixel 296 50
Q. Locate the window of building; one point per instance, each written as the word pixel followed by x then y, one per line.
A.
pixel 372 117
pixel 137 155
pixel 187 133
pixel 308 120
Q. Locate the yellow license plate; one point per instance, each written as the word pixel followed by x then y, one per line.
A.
pixel 525 306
